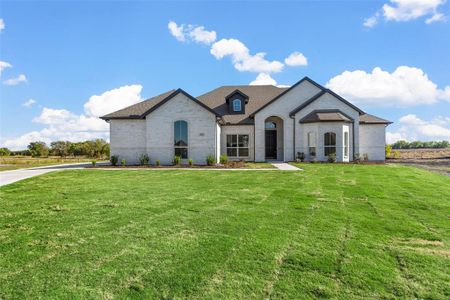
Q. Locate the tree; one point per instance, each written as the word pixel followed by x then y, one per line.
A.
pixel 38 149
pixel 60 148
pixel 4 152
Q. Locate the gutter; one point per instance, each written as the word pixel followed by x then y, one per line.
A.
pixel 293 146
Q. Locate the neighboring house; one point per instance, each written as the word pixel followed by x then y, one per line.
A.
pixel 254 123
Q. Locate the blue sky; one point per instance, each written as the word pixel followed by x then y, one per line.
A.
pixel 76 60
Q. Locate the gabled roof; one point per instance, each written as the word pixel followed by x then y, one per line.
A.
pixel 258 95
pixel 227 98
pixel 142 109
pixel 306 78
pixel 326 115
pixel 371 119
pixel 320 94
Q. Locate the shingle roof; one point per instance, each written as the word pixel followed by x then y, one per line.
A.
pixel 326 115
pixel 258 95
pixel 137 110
pixel 371 119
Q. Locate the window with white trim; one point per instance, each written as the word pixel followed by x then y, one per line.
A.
pixel 180 133
pixel 311 143
pixel 346 147
pixel 237 145
pixel 236 105
pixel 329 143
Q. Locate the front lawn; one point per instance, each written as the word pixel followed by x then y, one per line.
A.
pixel 333 231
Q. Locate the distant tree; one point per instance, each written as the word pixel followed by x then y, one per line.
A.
pixel 419 145
pixel 38 149
pixel 60 148
pixel 5 152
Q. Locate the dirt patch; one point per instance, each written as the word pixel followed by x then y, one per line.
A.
pixel 421 242
pixel 435 160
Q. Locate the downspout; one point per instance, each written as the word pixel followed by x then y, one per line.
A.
pixel 293 147
pixel 254 140
pixel 353 141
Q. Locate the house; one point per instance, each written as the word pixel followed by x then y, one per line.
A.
pixel 253 123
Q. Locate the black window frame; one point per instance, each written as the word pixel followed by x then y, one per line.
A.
pixel 328 145
pixel 181 150
pixel 238 145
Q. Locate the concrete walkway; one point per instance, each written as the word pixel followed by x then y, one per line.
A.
pixel 284 166
pixel 7 177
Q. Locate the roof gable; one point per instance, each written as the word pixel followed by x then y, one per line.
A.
pixel 227 98
pixel 326 115
pixel 320 94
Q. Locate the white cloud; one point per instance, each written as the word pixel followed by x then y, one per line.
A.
pixel 29 103
pixel 176 31
pixel 407 10
pixel 296 59
pixel 110 101
pixel 195 33
pixel 241 58
pixel 15 81
pixel 62 124
pixel 2 25
pixel 4 65
pixel 263 79
pixel 406 86
pixel 200 35
pixel 412 128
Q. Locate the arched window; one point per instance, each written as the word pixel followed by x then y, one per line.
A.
pixel 180 133
pixel 312 143
pixel 271 125
pixel 237 105
pixel 329 143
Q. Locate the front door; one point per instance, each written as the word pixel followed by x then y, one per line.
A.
pixel 271 144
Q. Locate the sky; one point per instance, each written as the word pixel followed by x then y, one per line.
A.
pixel 65 63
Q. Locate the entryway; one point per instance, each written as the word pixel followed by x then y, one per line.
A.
pixel 273 138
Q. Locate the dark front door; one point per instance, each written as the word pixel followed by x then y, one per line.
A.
pixel 271 144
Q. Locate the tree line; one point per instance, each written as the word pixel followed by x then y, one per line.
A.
pixel 94 148
pixel 420 145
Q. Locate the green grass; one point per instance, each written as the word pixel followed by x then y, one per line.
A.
pixel 21 162
pixel 331 231
pixel 258 165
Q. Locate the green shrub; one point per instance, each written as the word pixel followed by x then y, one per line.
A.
pixel 210 160
pixel 356 158
pixel 114 160
pixel 123 162
pixel 331 157
pixel 388 149
pixel 396 154
pixel 191 162
pixel 94 163
pixel 144 159
pixel 365 157
pixel 300 156
pixel 224 159
pixel 158 162
pixel 177 160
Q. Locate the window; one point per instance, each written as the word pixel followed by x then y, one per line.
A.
pixel 237 105
pixel 181 139
pixel 346 144
pixel 329 143
pixel 312 143
pixel 271 125
pixel 237 145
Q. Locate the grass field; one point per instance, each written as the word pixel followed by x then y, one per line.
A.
pixel 331 231
pixel 20 162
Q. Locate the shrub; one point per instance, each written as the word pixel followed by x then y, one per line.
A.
pixel 191 162
pixel 177 160
pixel 123 162
pixel 210 160
pixel 223 159
pixel 144 159
pixel 331 157
pixel 301 156
pixel 388 151
pixel 356 158
pixel 94 163
pixel 396 154
pixel 114 160
pixel 158 162
pixel 365 157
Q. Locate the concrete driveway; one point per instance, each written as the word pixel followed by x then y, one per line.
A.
pixel 7 177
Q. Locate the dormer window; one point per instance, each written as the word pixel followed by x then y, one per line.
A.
pixel 236 105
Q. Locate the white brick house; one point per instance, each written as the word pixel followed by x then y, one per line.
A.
pixel 254 123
